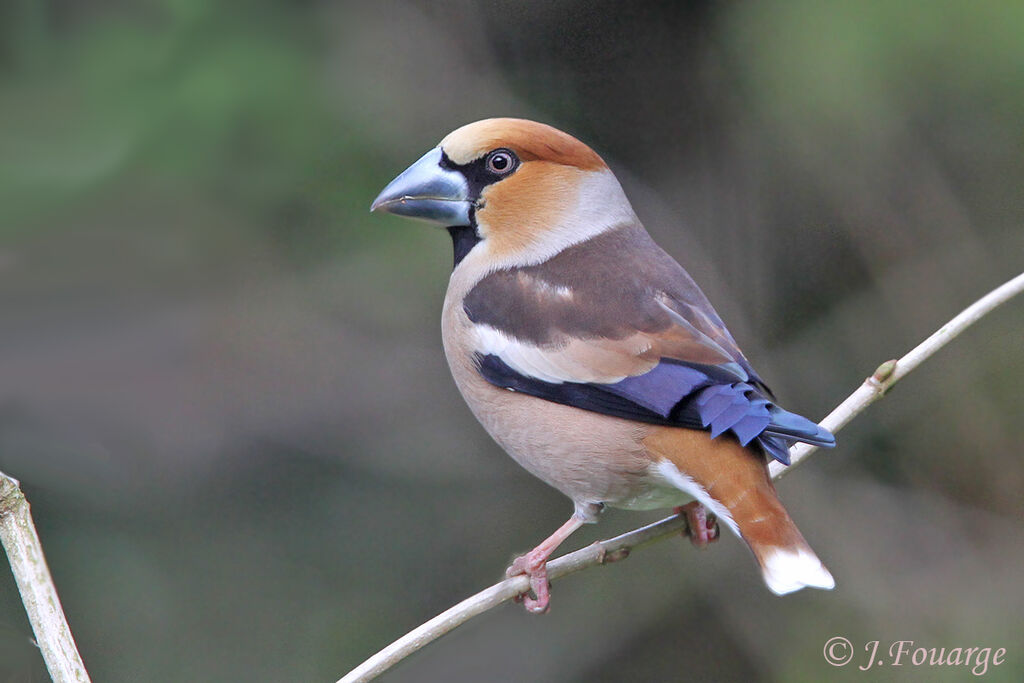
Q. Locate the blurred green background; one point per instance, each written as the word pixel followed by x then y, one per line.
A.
pixel 221 379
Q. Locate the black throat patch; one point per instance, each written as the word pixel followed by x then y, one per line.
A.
pixel 478 176
pixel 464 238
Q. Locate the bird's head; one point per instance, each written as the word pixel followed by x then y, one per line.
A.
pixel 513 191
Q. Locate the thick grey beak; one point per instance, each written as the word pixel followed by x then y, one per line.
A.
pixel 427 191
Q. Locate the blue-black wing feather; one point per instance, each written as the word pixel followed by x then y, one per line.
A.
pixel 620 287
pixel 676 394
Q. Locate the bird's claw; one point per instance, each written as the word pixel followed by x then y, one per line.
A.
pixel 701 525
pixel 537 570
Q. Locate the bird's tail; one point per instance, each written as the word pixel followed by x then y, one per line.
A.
pixel 787 561
pixel 733 483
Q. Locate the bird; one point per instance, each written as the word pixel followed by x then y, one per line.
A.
pixel 591 356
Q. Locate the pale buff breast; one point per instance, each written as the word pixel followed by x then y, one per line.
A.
pixel 589 457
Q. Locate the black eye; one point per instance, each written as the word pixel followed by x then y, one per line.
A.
pixel 501 161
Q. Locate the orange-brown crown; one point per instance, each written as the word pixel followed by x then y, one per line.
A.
pixel 531 141
pixel 559 194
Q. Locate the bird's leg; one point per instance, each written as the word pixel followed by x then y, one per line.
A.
pixel 701 527
pixel 534 565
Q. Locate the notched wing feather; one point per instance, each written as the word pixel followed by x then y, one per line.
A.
pixel 616 326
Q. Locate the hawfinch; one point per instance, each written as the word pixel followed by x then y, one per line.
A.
pixel 591 356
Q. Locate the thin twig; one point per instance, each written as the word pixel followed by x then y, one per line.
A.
pixel 892 371
pixel 38 594
pixel 601 552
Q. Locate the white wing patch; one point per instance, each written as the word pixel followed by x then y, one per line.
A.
pixel 525 359
pixel 576 360
pixel 544 288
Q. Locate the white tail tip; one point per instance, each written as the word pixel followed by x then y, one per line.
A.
pixel 786 571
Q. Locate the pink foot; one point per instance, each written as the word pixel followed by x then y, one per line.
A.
pixel 535 566
pixel 702 527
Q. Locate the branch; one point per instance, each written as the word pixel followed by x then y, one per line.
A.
pixel 38 594
pixel 892 371
pixel 601 552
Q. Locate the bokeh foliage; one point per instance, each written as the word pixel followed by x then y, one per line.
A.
pixel 221 381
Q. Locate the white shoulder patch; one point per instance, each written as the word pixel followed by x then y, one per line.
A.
pixel 551 364
pixel 545 289
pixel 524 358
